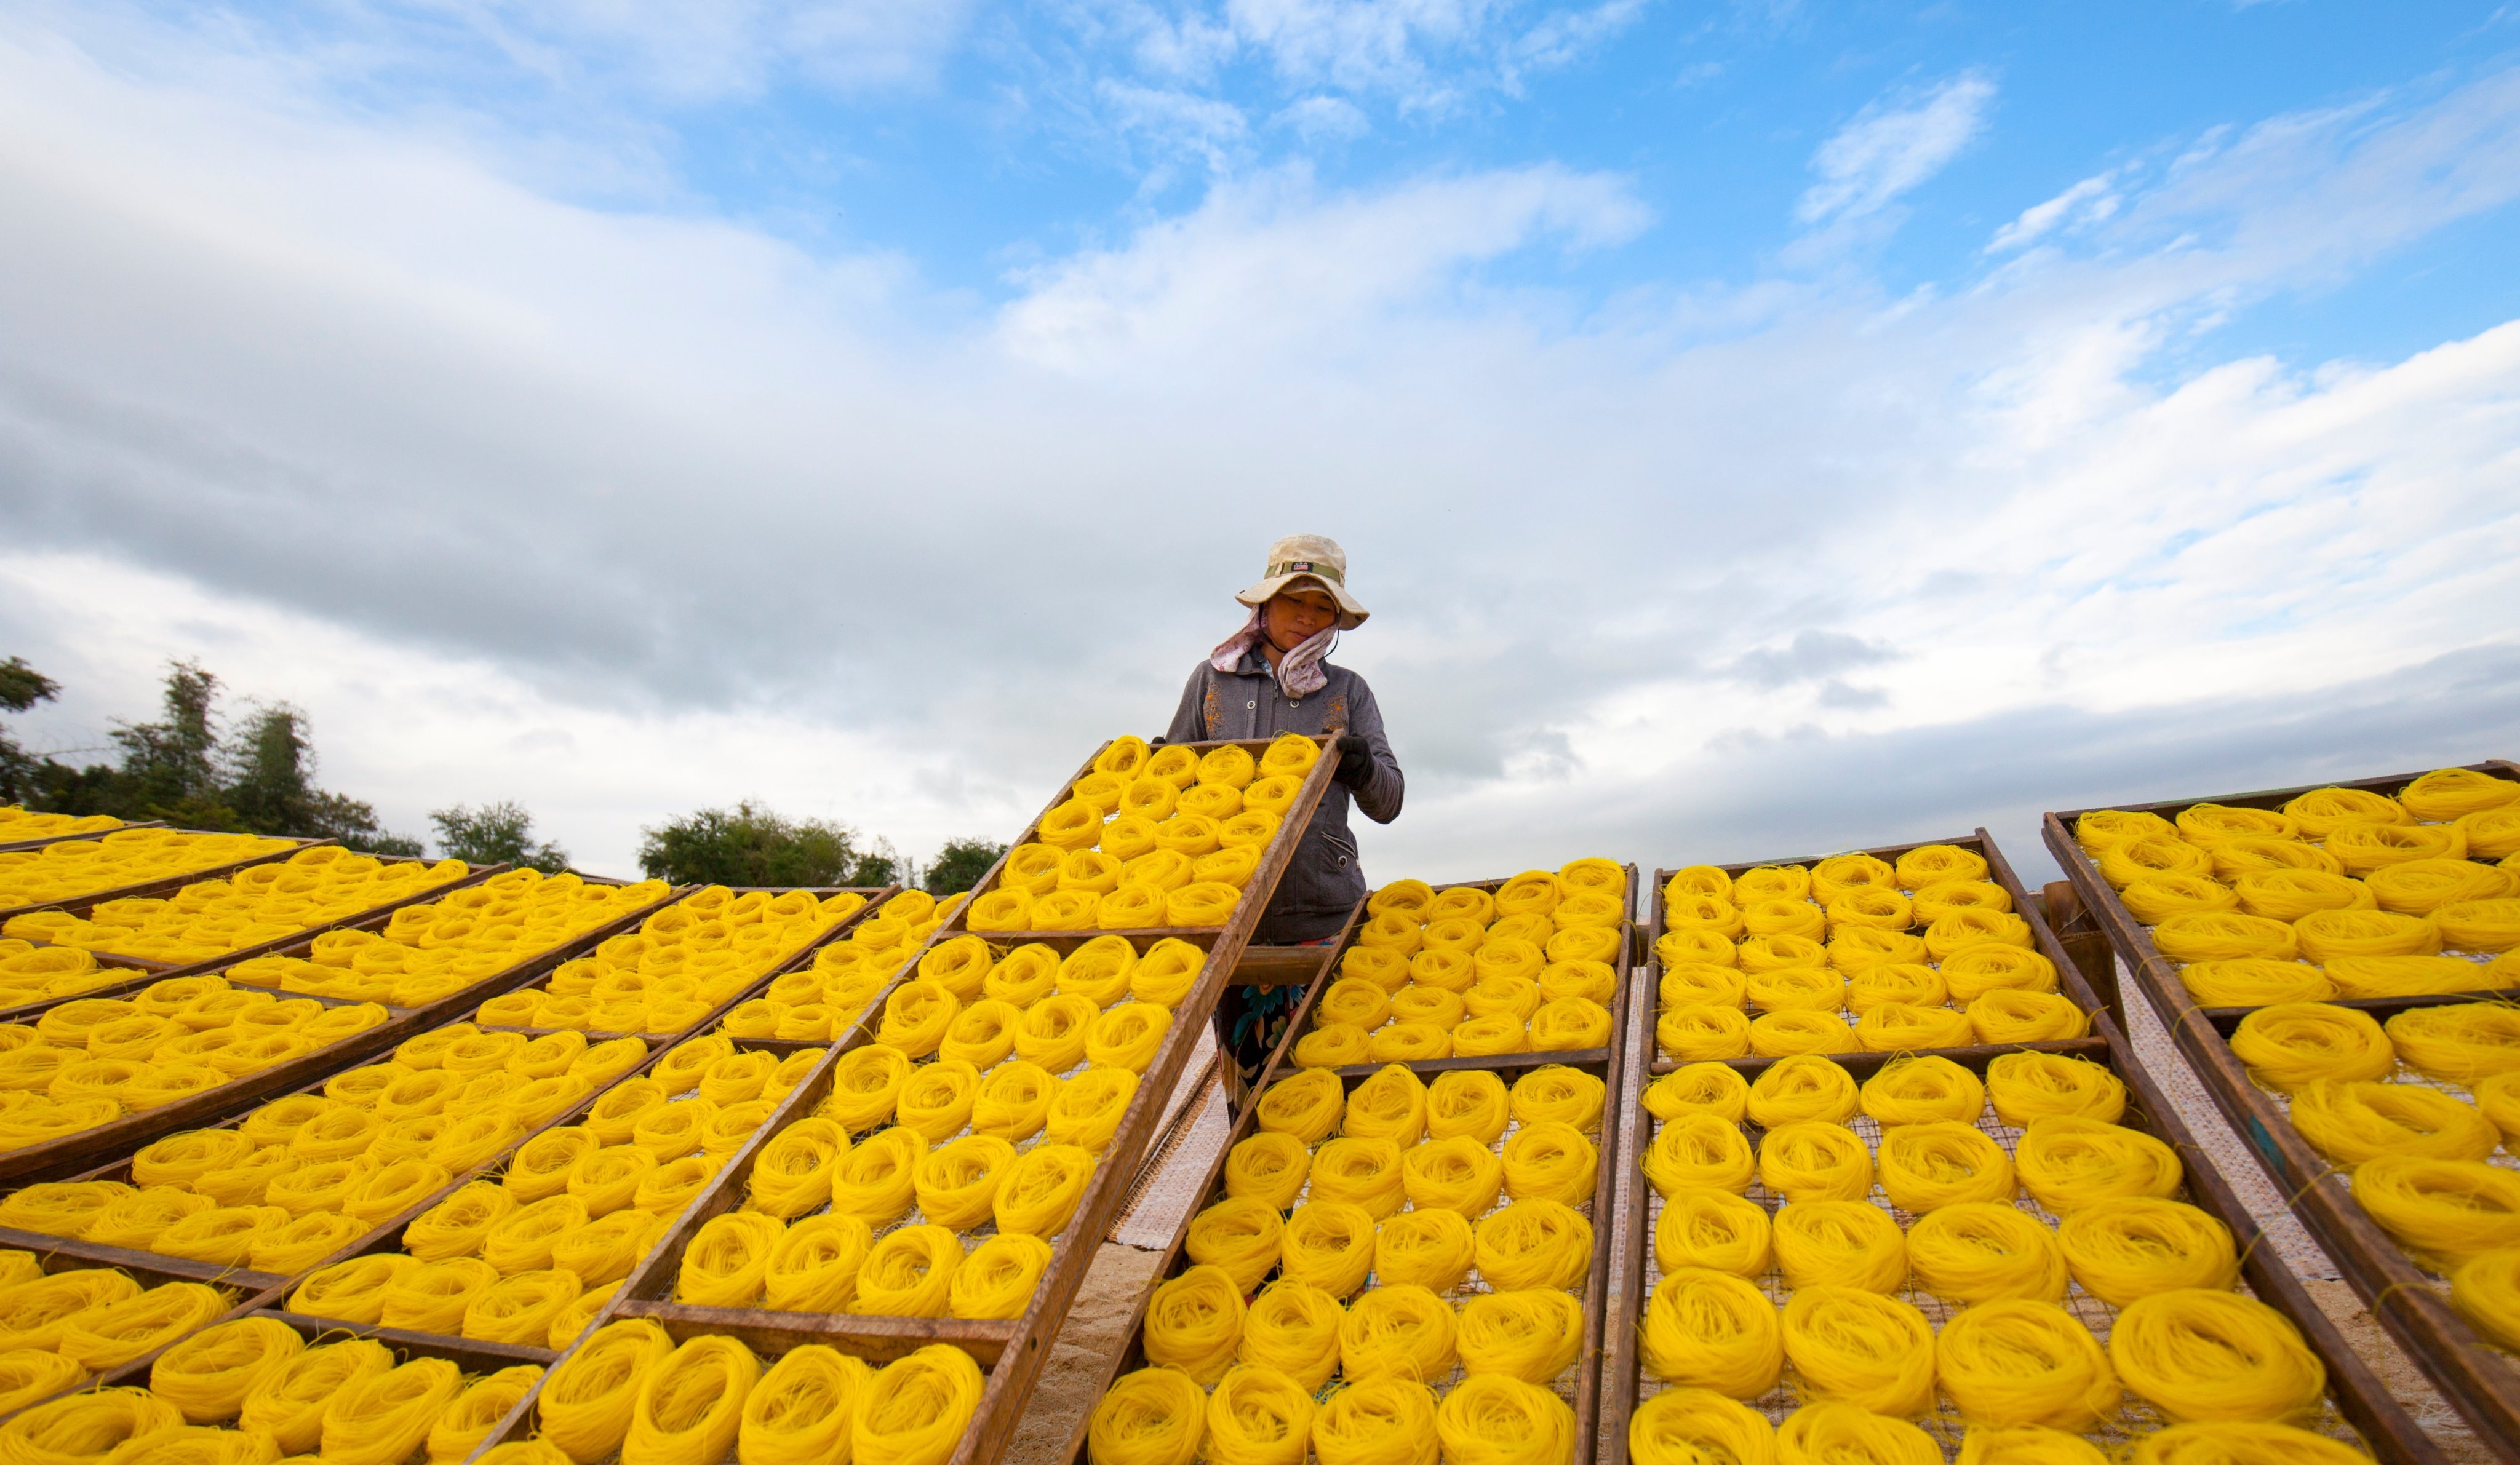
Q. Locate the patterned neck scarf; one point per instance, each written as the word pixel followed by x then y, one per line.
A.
pixel 1299 671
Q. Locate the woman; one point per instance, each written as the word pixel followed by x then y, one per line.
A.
pixel 1270 677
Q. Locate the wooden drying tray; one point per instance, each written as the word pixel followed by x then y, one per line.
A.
pixel 803 957
pixel 1577 1057
pixel 72 1153
pixel 1601 1063
pixel 271 1290
pixel 2481 1381
pixel 14 846
pixel 2358 1395
pixel 1011 1351
pixel 80 904
pixel 298 943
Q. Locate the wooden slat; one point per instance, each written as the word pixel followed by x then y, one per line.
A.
pixel 2358 1395
pixel 2479 1381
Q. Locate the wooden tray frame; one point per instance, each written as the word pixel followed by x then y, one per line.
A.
pixel 2357 1392
pixel 119 1140
pixel 1602 1063
pixel 145 970
pixel 803 957
pixel 1623 969
pixel 1011 1351
pixel 2478 1380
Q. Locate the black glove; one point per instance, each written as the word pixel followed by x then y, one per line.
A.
pixel 1356 764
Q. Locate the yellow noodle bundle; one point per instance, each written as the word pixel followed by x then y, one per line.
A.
pixel 1985 1251
pixel 2325 935
pixel 1814 1159
pixel 1710 1329
pixel 381 1418
pixel 1547 1160
pixel 2445 1210
pixel 209 1374
pixel 1490 1419
pixel 1390 1104
pixel 468 1420
pixel 1397 1331
pixel 588 1402
pixel 1307 1106
pixel 1531 1335
pixel 1043 1188
pixel 1702 1032
pixel 2291 894
pixel 1699 1149
pixel 1269 1168
pixel 1715 1088
pixel 1775 1035
pixel 1533 1243
pixel 2293 1043
pixel 2254 983
pixel 2134 1246
pixel 2011 1362
pixel 2462 1042
pixel 1802 1087
pixel 915 1411
pixel 1919 1090
pixel 2353 1121
pixel 1702 1227
pixel 1927 1166
pixel 813 1267
pixel 2198 1354
pixel 1259 1416
pixel 2225 936
pixel 2068 1163
pixel 2024 1086
pixel 1861 1347
pixel 2158 898
pixel 801 1411
pixel 1695 1426
pixel 1850 1243
pixel 1455 1173
pixel 1153 1416
pixel 1239 1236
pixel 907 1273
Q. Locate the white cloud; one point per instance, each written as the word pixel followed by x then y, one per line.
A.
pixel 1893 145
pixel 2094 199
pixel 458 466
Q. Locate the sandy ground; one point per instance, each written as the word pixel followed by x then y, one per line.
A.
pixel 1069 1380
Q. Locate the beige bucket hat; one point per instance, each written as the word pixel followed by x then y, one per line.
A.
pixel 1308 557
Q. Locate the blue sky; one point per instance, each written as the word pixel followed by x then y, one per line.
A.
pixel 1757 428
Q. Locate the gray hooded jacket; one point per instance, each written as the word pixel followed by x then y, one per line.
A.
pixel 1322 881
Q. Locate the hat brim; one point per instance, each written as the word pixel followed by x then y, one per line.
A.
pixel 1351 613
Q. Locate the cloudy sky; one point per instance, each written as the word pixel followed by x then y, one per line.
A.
pixel 1757 429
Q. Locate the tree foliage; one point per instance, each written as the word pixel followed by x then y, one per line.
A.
pixel 186 769
pixel 21 686
pixel 748 845
pixel 960 865
pixel 493 834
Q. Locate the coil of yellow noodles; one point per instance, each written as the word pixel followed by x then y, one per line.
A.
pixel 801 1411
pixel 1801 1088
pixel 1489 1419
pixel 2462 1042
pixel 2498 1097
pixel 1336 1045
pixel 726 1258
pixel 1927 1166
pixel 2014 1362
pixel 2026 1445
pixel 1535 1243
pixel 2128 861
pixel 119 1332
pixel 1267 1167
pixel 2008 1016
pixel 1364 1172
pixel 2199 1354
pixel 1814 1160
pixel 352 1291
pixel 1900 1028
pixel 1042 1189
pixel 2481 925
pixel 27 1376
pixel 2287 893
pixel 915 1410
pixel 430 1298
pixel 1384 1421
pixel 1829 1431
pixel 1013 1101
pixel 1397 1331
pixel 1715 1088
pixel 1307 1106
pixel 908 1274
pixel 1694 1426
pixel 2242 1443
pixel 1259 1416
pixel 1469 1103
pixel 290 1402
pixel 1703 1033
pixel 2067 1164
pixel 381 1418
pixel 1329 1245
pixel 1780 1034
pixel 587 1403
pixel 1849 1243
pixel 2445 1212
pixel 1390 1104
pixel 1983 1251
pixel 522 1309
pixel 1713 1330
pixel 208 1375
pixel 2158 898
pixel 1088 1107
pixel 2291 1044
pixel 2134 1246
pixel 997 1278
pixel 1699 1149
pixel 2024 1086
pixel 1457 1174
pixel 2356 1120
pixel 1702 984
pixel 1431 1248
pixel 1153 1416
pixel 1239 1235
pixel 88 1426
pixel 1529 1335
pixel 691 1407
pixel 2225 936
pixel 1861 1347
pixel 813 1267
pixel 468 1420
pixel 2402 976
pixel 1545 1160
pixel 2325 935
pixel 1919 1090
pixel 1702 1227
pixel 2254 983
pixel 2485 1291
pixel 956 1185
pixel 877 1180
pixel 1293 1328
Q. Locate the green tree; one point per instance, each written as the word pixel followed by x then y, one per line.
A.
pixel 21 686
pixel 270 784
pixel 960 865
pixel 751 846
pixel 496 832
pixel 170 768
